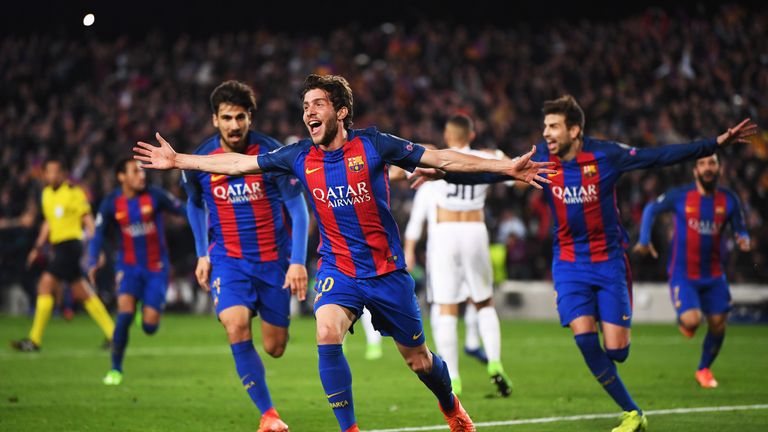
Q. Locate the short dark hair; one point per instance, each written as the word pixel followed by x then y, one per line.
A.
pixel 234 93
pixel 58 160
pixel 567 106
pixel 338 89
pixel 122 165
pixel 462 121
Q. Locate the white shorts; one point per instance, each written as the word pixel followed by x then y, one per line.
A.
pixel 459 263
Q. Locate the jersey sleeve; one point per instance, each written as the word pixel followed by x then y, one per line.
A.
pixel 106 213
pixel 397 151
pixel 663 203
pixel 280 159
pixel 631 158
pixel 737 217
pixel 83 206
pixel 197 211
pixel 167 202
pixel 419 213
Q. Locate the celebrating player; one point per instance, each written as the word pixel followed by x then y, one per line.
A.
pixel 250 258
pixel 361 261
pixel 66 211
pixel 590 269
pixel 696 277
pixel 135 211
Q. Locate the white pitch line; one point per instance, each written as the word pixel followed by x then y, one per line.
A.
pixel 137 351
pixel 582 417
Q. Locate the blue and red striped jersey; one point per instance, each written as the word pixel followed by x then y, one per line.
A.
pixel 349 192
pixel 246 218
pixel 582 195
pixel 698 244
pixel 139 221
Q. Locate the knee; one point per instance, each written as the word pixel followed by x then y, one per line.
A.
pixel 148 328
pixel 237 330
pixel 275 349
pixel 329 334
pixel 618 355
pixel 419 362
pixel 690 321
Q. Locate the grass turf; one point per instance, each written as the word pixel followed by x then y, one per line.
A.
pixel 183 378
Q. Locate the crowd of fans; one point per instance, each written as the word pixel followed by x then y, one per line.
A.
pixel 655 78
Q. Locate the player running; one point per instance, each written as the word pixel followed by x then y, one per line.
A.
pixel 135 211
pixel 696 277
pixel 590 268
pixel 361 261
pixel 66 211
pixel 250 257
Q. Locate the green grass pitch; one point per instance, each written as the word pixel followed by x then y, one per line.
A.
pixel 183 379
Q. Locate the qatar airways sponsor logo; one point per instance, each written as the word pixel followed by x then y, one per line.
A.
pixel 239 192
pixel 339 196
pixel 138 229
pixel 576 194
pixel 704 227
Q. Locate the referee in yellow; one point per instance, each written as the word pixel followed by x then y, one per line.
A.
pixel 66 212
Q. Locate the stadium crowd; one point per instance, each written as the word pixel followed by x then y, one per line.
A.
pixel 658 77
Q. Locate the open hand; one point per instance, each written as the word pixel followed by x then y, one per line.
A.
pixel 528 171
pixel 296 280
pixel 162 158
pixel 642 249
pixel 741 133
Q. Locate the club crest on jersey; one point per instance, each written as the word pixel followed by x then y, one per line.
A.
pixel 589 170
pixel 355 163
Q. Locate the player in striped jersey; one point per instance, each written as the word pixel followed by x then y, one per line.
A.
pixel 345 171
pixel 590 268
pixel 135 211
pixel 250 257
pixel 702 211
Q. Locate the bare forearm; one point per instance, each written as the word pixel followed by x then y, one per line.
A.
pixel 453 161
pixel 223 163
pixel 42 236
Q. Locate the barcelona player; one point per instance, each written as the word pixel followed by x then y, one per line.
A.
pixel 68 220
pixel 702 211
pixel 250 257
pixel 361 264
pixel 135 212
pixel 590 268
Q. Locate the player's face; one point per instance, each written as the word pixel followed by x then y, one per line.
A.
pixel 53 173
pixel 134 178
pixel 707 171
pixel 559 137
pixel 455 136
pixel 233 122
pixel 321 119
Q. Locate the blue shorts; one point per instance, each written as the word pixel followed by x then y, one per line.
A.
pixel 600 289
pixel 390 298
pixel 253 284
pixel 147 286
pixel 711 295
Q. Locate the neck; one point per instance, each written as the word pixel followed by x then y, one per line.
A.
pixel 338 141
pixel 458 145
pixel 128 192
pixel 576 147
pixel 702 190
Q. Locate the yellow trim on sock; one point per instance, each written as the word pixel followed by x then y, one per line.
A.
pixel 43 312
pixel 98 313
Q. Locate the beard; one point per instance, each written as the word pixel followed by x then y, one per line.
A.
pixel 331 129
pixel 563 148
pixel 708 185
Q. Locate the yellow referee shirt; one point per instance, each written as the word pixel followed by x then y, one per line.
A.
pixel 63 209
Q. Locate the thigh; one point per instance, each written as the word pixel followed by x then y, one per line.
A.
pixel 715 296
pixel 475 258
pixel 131 282
pixel 230 284
pixel 574 299
pixel 65 261
pixel 445 269
pixel 335 288
pixel 273 302
pixel 394 307
pixel 613 293
pixel 684 295
pixel 155 289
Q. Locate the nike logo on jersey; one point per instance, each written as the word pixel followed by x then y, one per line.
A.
pixel 416 336
pixel 217 177
pixel 625 317
pixel 310 171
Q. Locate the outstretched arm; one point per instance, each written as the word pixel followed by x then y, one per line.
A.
pixel 165 157
pixel 521 168
pixel 653 208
